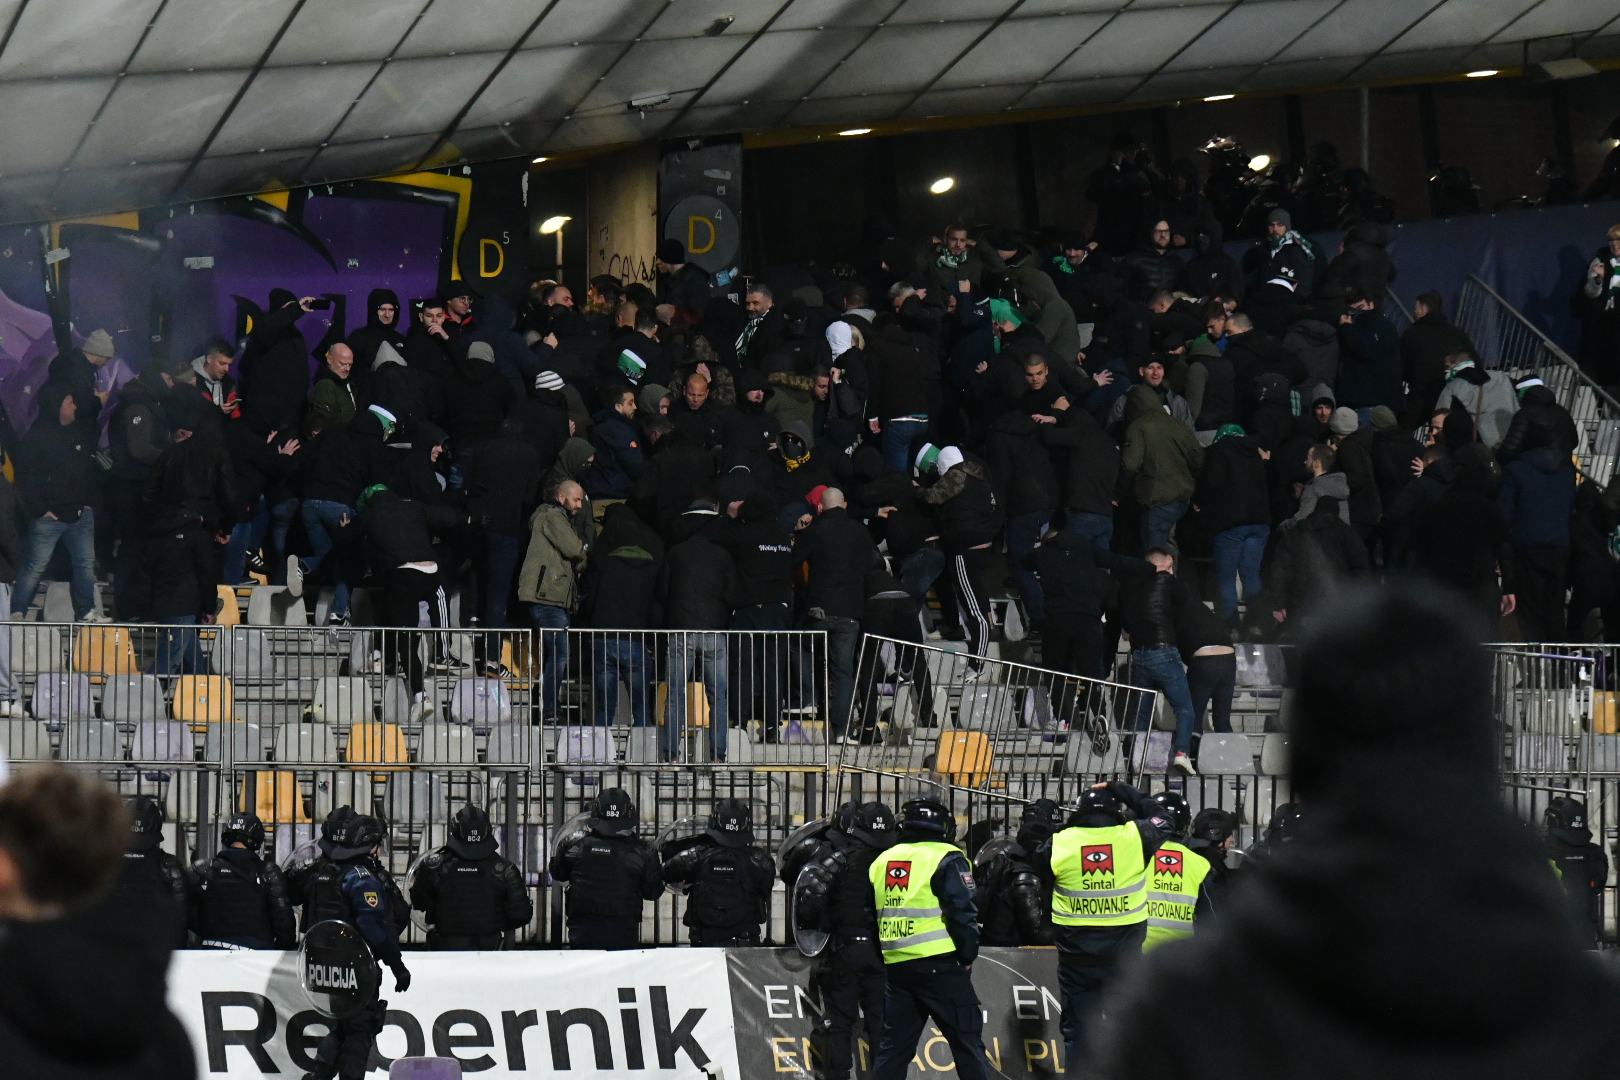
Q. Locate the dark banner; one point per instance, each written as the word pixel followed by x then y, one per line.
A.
pixel 774 1008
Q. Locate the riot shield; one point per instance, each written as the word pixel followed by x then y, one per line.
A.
pixel 799 842
pixel 810 911
pixel 679 836
pixel 336 969
pixel 302 858
pixel 991 849
pixel 573 830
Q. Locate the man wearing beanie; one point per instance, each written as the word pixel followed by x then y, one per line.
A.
pixel 683 284
pixel 1281 274
pixel 1355 446
pixel 480 398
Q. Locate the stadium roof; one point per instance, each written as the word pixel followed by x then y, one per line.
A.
pixel 115 104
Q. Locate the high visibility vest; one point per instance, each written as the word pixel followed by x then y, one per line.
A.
pixel 910 924
pixel 1172 894
pixel 1100 877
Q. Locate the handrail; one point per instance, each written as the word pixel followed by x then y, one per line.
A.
pixel 1548 344
pixel 1389 292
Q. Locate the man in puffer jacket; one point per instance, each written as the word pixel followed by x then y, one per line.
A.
pixel 1540 421
pixel 1537 497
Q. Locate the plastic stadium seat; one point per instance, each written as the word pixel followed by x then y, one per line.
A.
pixel 203 699
pixel 520 744
pixel 25 740
pixel 1082 760
pixel 396 701
pixel 243 742
pixel 1152 751
pixel 1274 755
pixel 162 740
pixel 582 745
pixel 306 743
pixel 447 744
pixel 1600 753
pixel 987 708
pixel 963 757
pixel 100 651
pixel 130 699
pixel 243 654
pixel 36 648
pixel 341 700
pixel 1540 754
pixel 277 798
pixel 92 740
pixel 230 612
pixel 273 605
pixel 1225 754
pixel 376 744
pixel 63 696
pixel 480 702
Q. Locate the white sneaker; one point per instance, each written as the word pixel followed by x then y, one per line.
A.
pixel 95 617
pixel 9 709
pixel 295 576
pixel 421 708
pixel 1184 763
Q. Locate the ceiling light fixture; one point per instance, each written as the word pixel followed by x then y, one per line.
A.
pixel 1220 97
pixel 1259 162
pixel 856 131
pixel 552 224
pixel 538 160
pixel 942 185
pixel 1484 73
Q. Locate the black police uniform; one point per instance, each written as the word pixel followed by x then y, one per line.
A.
pixel 1210 830
pixel 149 870
pixel 937 988
pixel 610 873
pixel 849 976
pixel 1010 916
pixel 470 895
pixel 241 900
pixel 814 848
pixel 363 900
pixel 1583 868
pixel 317 878
pixel 728 879
pixel 1089 956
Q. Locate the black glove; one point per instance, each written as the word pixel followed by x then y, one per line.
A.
pixel 402 976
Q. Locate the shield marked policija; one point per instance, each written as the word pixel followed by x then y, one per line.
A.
pixel 337 970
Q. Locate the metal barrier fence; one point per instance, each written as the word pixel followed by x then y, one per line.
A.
pixel 1505 339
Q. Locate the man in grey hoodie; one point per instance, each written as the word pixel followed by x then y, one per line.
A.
pixel 1322 463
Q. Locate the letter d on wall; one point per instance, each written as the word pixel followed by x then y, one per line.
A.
pixel 484 247
pixel 692 246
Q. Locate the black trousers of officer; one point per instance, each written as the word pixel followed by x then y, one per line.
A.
pixel 934 988
pixel 345 1050
pixel 1083 977
pixel 845 994
pixel 603 932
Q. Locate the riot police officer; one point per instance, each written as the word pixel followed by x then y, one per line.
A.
pixel 610 872
pixel 318 875
pixel 469 894
pixel 812 844
pixel 1099 868
pixel 728 879
pixel 241 899
pixel 928 932
pixel 361 899
pixel 1009 916
pixel 1176 876
pixel 1283 829
pixel 148 869
pixel 835 893
pixel 1582 865
pixel 1212 835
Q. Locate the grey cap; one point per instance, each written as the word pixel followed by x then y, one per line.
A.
pixel 481 350
pixel 1279 216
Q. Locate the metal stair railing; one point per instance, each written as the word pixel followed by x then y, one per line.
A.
pixel 1507 341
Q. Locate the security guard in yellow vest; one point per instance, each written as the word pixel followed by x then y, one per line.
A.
pixel 1099 866
pixel 928 931
pixel 1175 878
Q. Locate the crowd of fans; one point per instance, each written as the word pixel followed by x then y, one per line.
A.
pixel 1115 436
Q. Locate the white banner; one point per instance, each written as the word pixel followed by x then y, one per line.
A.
pixel 653 1014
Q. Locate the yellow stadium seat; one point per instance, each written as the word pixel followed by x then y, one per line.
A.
pixel 230 613
pixel 100 651
pixel 277 798
pixel 376 744
pixel 963 757
pixel 200 700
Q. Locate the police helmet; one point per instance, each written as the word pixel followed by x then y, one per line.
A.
pixel 244 828
pixel 1043 811
pixel 1285 822
pixel 731 824
pixel 356 836
pixel 1098 809
pixel 928 816
pixel 330 827
pixel 1175 809
pixel 845 816
pixel 470 834
pixel 613 813
pixel 875 825
pixel 147 816
pixel 1565 819
pixel 1214 826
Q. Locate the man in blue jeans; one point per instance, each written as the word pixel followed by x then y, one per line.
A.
pixel 58 482
pixel 348 460
pixel 548 582
pixel 1149 597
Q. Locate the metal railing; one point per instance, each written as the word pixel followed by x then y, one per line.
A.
pixel 1508 341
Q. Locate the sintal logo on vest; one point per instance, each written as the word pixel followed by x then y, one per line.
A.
pixel 1097 859
pixel 898 876
pixel 332 977
pixel 1168 862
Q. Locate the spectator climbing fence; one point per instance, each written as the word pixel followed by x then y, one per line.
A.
pixel 1508 341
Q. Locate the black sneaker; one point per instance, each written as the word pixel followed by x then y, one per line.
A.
pixel 254 564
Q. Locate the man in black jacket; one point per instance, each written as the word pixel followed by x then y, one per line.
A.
pixel 1093 474
pixel 1234 496
pixel 610 873
pixel 897 388
pixel 1540 421
pixel 680 283
pixel 1317 556
pixel 479 400
pixel 383 321
pixel 348 460
pixel 502 482
pixel 1424 348
pixel 58 483
pixel 241 899
pixel 620 592
pixel 1148 598
pixel 837 550
pixel 1026 488
pixel 765 330
pixel 762 548
pixel 470 894
pixel 698 587
pixel 401 534
pixel 136 438
pixel 275 364
pixel 969 520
